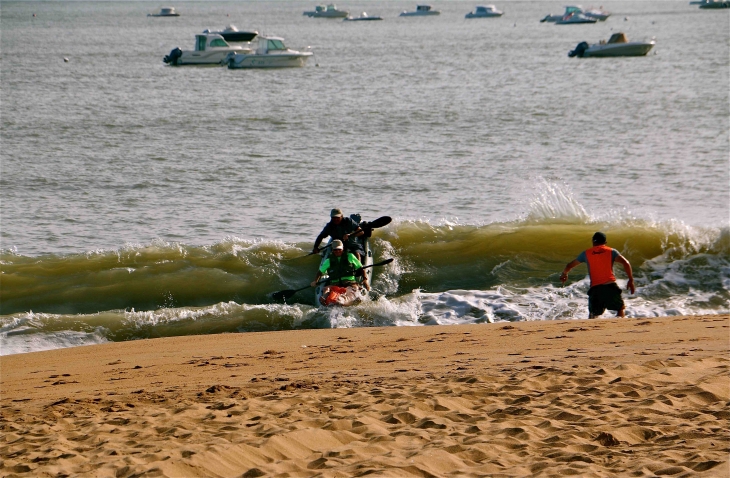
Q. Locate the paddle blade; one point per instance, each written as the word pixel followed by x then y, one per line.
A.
pixel 379 222
pixel 381 263
pixel 283 295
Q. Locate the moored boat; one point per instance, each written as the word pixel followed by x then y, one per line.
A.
pixel 484 11
pixel 421 11
pixel 271 52
pixel 576 14
pixel 210 49
pixel 362 18
pixel 165 12
pixel 575 19
pixel 617 45
pixel 569 10
pixel 329 11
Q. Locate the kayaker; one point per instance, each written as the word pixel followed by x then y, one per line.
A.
pixel 341 268
pixel 604 292
pixel 343 229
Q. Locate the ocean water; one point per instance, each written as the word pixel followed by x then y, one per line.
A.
pixel 141 200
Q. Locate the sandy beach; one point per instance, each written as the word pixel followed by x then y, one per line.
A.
pixel 607 397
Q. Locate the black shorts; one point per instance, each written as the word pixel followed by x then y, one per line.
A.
pixel 604 296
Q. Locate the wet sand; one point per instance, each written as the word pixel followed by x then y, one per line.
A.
pixel 607 397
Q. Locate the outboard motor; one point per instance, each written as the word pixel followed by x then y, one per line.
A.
pixel 229 60
pixel 579 50
pixel 173 57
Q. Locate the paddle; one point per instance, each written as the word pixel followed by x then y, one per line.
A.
pixel 286 294
pixel 312 253
pixel 365 226
pixel 379 222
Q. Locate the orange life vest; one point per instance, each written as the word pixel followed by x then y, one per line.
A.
pixel 600 265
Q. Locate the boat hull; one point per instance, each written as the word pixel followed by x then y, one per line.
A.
pixel 362 19
pixel 576 21
pixel 202 57
pixel 283 60
pixel 330 14
pixel 483 15
pixel 419 14
pixel 601 17
pixel 627 49
pixel 714 5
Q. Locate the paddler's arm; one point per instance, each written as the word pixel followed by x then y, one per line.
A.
pixel 316 279
pixel 320 238
pixel 357 233
pixel 627 267
pixel 568 267
pixel 320 273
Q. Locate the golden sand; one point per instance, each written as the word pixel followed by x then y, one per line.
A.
pixel 608 397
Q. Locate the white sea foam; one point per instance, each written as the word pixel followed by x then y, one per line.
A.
pixel 24 340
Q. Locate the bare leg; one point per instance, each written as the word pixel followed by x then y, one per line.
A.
pixel 620 312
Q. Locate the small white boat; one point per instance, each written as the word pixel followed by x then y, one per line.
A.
pixel 231 33
pixel 568 16
pixel 270 53
pixel 362 18
pixel 617 45
pixel 165 12
pixel 421 11
pixel 575 19
pixel 210 49
pixel 329 11
pixel 570 9
pixel 485 11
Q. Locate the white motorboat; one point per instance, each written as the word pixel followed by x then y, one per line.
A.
pixel 270 53
pixel 210 49
pixel 329 11
pixel 165 12
pixel 575 19
pixel 570 9
pixel 617 45
pixel 362 18
pixel 233 34
pixel 421 11
pixel 568 16
pixel 485 11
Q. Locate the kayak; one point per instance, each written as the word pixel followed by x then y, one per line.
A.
pixel 327 295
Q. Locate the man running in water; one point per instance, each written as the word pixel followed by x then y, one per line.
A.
pixel 604 292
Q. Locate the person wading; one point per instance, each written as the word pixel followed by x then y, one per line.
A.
pixel 604 292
